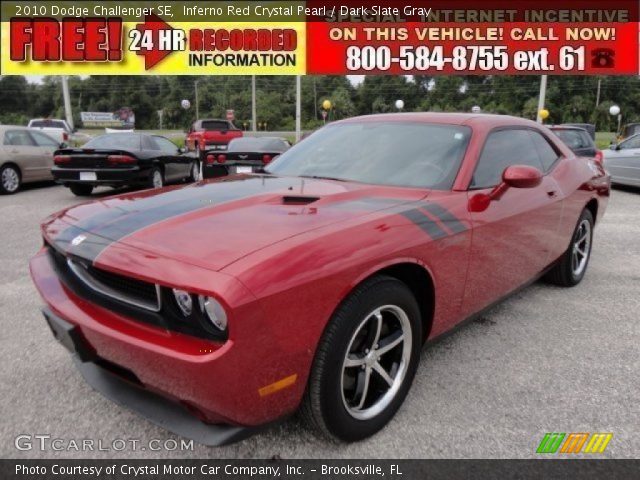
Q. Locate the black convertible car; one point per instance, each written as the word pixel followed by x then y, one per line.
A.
pixel 118 159
pixel 244 155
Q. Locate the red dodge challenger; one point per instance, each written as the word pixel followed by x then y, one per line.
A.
pixel 218 307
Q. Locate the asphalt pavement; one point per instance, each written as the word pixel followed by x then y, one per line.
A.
pixel 546 360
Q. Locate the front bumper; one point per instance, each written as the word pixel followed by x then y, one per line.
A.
pixel 123 390
pixel 219 383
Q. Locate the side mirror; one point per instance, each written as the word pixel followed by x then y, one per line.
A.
pixel 183 149
pixel 521 176
pixel 515 176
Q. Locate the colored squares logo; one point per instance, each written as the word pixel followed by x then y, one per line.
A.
pixel 574 443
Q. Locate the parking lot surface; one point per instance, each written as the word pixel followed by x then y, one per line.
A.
pixel 546 360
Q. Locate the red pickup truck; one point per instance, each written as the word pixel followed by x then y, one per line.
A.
pixel 211 134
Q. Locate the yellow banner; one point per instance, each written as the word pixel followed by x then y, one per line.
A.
pixel 198 48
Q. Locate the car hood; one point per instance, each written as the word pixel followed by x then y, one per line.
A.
pixel 211 224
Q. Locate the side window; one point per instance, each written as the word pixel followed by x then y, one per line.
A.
pixel 44 140
pixel 548 155
pixel 501 150
pixel 167 146
pixel 18 138
pixel 633 142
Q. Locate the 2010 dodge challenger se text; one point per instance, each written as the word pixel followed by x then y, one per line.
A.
pixel 221 306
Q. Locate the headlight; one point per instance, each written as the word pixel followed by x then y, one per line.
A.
pixel 213 311
pixel 183 299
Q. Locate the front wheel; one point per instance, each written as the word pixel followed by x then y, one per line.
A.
pixel 365 362
pixel 572 266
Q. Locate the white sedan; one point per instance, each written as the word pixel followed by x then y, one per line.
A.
pixel 622 161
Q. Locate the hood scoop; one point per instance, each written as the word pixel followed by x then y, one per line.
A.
pixel 298 200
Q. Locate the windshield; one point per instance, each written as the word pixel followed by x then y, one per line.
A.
pixel 118 141
pixel 408 154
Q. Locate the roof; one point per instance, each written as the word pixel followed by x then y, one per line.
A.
pixel 443 118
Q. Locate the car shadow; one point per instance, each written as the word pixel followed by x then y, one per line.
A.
pixel 626 188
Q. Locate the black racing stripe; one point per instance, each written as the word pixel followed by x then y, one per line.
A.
pixel 110 226
pixel 427 225
pixel 446 217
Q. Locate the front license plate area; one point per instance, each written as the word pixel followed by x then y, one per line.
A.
pixel 69 336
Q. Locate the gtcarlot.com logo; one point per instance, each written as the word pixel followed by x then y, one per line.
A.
pixel 47 442
pixel 574 442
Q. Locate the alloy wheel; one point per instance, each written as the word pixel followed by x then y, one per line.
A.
pixel 157 179
pixel 10 180
pixel 581 247
pixel 376 362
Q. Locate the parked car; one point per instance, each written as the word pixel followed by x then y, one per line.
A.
pixel 25 156
pixel 118 159
pixel 589 127
pixel 244 155
pixel 629 130
pixel 211 135
pixel 578 140
pixel 622 161
pixel 57 129
pixel 317 282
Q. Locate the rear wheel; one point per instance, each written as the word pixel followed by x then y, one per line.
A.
pixel 365 362
pixel 9 179
pixel 156 180
pixel 572 266
pixel 80 189
pixel 194 173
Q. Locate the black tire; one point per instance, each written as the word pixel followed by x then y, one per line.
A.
pixel 325 406
pixel 10 179
pixel 564 273
pixel 81 189
pixel 155 178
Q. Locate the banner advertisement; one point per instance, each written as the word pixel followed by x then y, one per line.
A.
pixel 320 37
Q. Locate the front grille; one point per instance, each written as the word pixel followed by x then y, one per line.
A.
pixel 124 289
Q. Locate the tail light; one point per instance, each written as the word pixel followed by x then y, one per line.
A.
pixel 599 157
pixel 211 159
pixel 65 136
pixel 266 159
pixel 61 159
pixel 222 158
pixel 120 160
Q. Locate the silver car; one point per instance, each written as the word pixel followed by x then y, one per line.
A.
pixel 622 161
pixel 25 156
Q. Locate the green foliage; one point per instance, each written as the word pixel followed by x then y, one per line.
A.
pixel 569 99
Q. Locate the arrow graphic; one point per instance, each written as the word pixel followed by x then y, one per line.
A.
pixel 154 24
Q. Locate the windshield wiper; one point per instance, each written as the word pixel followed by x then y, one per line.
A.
pixel 321 177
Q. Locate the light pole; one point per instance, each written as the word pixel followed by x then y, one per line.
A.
pixel 542 97
pixel 326 108
pixel 615 111
pixel 197 102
